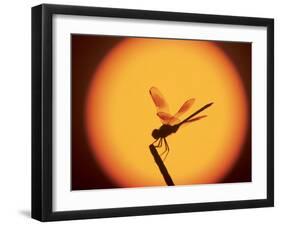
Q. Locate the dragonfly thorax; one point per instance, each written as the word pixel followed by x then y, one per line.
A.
pixel 164 131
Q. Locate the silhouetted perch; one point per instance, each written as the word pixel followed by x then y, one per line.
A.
pixel 161 166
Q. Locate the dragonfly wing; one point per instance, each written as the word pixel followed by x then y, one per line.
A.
pixel 165 117
pixel 197 118
pixel 159 100
pixel 174 121
pixel 187 105
pixel 193 120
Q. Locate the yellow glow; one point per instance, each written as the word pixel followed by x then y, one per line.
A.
pixel 120 114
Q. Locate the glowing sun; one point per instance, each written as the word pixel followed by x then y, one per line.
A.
pixel 120 115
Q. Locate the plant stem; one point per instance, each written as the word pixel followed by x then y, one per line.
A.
pixel 161 166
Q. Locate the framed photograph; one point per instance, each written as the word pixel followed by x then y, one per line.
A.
pixel 145 112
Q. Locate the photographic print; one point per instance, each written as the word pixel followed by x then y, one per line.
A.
pixel 138 112
pixel 159 112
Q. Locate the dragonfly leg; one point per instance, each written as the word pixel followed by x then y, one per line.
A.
pixel 159 143
pixel 163 152
pixel 167 149
pixel 155 141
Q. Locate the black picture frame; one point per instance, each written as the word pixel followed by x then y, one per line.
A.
pixel 42 106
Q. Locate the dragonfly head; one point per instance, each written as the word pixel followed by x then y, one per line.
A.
pixel 155 134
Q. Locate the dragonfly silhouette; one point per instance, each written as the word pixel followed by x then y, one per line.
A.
pixel 171 123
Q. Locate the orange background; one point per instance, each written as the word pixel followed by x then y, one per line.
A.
pixel 115 115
